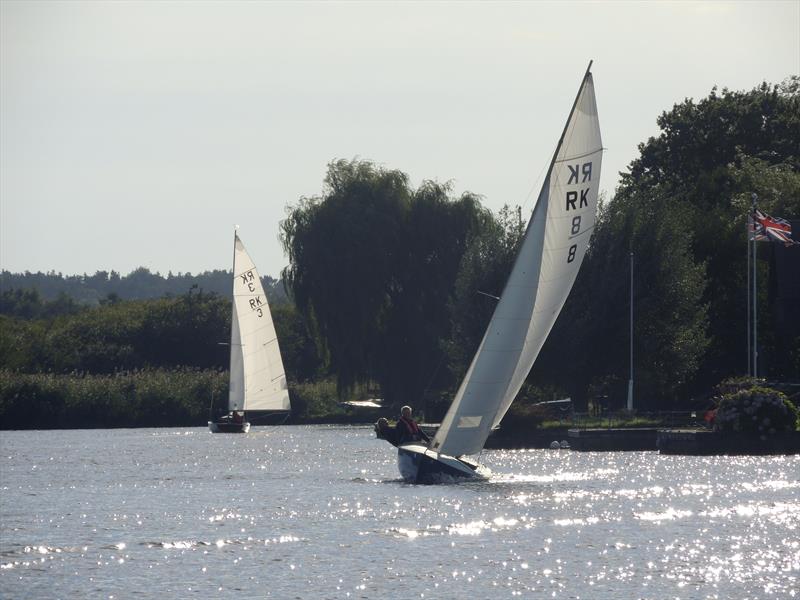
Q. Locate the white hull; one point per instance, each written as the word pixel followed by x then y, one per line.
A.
pixel 417 464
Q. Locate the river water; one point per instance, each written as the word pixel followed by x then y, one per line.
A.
pixel 319 512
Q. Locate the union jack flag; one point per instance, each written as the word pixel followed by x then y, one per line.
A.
pixel 763 228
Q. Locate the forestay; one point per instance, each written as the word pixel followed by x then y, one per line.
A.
pixel 257 377
pixel 550 255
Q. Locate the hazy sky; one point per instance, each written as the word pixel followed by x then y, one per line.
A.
pixel 139 133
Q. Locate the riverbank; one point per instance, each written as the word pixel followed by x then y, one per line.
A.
pixel 146 398
pixel 708 443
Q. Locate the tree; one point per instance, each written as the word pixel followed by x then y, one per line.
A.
pixel 299 350
pixel 710 157
pixel 482 275
pixel 372 264
pixel 186 330
pixel 587 351
pixel 681 209
pixel 438 231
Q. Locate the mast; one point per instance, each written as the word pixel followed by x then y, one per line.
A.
pixel 750 235
pixel 755 296
pixel 563 135
pixel 630 381
pixel 543 272
pixel 236 342
pixel 553 161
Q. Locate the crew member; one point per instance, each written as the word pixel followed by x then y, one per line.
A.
pixel 407 429
pixel 384 431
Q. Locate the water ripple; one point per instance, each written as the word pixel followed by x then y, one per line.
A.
pixel 278 514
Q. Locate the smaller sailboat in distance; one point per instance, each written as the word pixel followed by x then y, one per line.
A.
pixel 546 266
pixel 257 377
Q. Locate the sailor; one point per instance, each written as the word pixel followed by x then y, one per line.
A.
pixel 384 431
pixel 407 429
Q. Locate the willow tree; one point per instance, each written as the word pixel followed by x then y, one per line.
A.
pixel 372 266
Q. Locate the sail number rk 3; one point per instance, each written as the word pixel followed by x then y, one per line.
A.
pixel 248 279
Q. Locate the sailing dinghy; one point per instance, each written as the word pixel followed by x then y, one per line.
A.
pixel 546 266
pixel 257 378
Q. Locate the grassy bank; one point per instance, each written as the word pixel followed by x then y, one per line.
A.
pixel 147 398
pixel 152 398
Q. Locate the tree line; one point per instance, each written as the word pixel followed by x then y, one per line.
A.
pixel 139 284
pixel 390 278
pixel 186 331
pixel 391 287
pixel 155 362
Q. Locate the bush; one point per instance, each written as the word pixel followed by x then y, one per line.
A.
pixel 151 398
pixel 317 400
pixel 756 410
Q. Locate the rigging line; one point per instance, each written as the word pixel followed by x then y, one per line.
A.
pixel 579 156
pixel 568 133
pixel 587 230
pixel 537 184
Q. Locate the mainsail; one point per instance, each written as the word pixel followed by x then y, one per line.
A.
pixel 550 255
pixel 257 377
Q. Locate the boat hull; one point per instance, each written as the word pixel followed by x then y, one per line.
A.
pixel 417 464
pixel 228 427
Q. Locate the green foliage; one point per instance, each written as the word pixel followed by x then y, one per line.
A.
pixel 708 160
pixel 670 316
pixel 341 247
pixel 28 304
pixel 386 281
pixel 482 274
pixel 186 330
pixel 153 398
pixel 126 363
pixel 140 284
pixel 299 350
pixel 372 263
pixel 315 401
pixel 681 209
pixel 756 410
pixel 121 336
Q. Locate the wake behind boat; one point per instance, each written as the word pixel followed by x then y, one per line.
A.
pixel 544 271
pixel 257 376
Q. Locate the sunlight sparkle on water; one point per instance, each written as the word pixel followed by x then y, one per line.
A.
pixel 564 524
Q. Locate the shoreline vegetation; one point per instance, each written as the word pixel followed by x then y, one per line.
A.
pixel 390 287
pixel 183 397
pixel 142 398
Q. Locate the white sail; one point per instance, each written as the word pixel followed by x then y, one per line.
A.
pixel 257 377
pixel 548 261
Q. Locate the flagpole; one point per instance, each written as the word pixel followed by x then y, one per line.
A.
pixel 630 381
pixel 751 234
pixel 755 299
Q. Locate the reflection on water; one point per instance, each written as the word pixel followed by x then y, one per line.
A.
pixel 319 512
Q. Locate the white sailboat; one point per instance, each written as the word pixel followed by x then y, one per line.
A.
pixel 257 377
pixel 550 255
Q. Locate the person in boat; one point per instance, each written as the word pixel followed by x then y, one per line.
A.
pixel 407 430
pixel 384 431
pixel 237 417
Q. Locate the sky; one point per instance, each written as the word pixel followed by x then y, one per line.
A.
pixel 141 133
